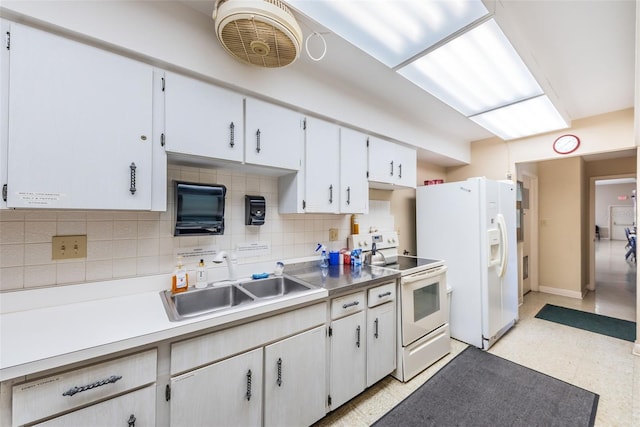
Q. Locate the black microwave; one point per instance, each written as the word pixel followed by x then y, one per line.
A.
pixel 199 208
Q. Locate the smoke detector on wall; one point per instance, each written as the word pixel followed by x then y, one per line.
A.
pixel 258 32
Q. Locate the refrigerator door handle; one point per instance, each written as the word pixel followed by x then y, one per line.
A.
pixel 502 226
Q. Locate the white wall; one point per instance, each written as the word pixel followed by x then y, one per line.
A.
pixel 607 196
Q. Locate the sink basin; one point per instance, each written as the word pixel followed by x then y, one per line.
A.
pixel 202 301
pixel 274 287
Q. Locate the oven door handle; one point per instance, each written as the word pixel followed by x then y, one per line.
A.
pixel 424 275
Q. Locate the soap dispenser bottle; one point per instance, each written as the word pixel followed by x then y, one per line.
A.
pixel 201 275
pixel 180 280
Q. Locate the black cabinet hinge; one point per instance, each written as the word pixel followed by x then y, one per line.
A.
pixel 167 393
pixel 329 400
pixel 8 40
pixel 330 331
pixel 4 192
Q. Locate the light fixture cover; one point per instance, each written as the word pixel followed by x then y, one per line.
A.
pixel 476 72
pixel 530 117
pixel 392 31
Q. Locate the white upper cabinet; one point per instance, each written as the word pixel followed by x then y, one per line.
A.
pixel 274 136
pixel 334 176
pixel 80 126
pixel 354 187
pixel 322 166
pixel 202 120
pixel 391 165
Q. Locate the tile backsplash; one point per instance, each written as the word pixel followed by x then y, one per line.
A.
pixel 124 244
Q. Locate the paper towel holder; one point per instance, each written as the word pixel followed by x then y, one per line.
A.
pixel 255 210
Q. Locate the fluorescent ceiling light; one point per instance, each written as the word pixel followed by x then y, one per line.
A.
pixel 530 117
pixel 392 31
pixel 476 72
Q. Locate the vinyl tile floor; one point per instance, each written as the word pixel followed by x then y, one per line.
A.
pixel 598 363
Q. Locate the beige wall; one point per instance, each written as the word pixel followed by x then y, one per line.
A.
pixel 560 201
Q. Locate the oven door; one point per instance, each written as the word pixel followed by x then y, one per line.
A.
pixel 423 303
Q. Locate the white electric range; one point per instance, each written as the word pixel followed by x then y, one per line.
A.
pixel 423 310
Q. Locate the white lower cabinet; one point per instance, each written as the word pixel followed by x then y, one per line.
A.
pixel 136 409
pixel 294 390
pixel 107 393
pixel 348 358
pixel 268 372
pixel 381 332
pixel 381 342
pixel 227 393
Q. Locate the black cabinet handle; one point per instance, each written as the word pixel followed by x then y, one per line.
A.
pixel 348 195
pixel 400 170
pixel 331 194
pixel 131 422
pixel 279 381
pixel 80 389
pixel 249 385
pixel 375 323
pixel 391 168
pixel 386 294
pixel 358 336
pixel 351 304
pixel 132 168
pixel 258 140
pixel 232 135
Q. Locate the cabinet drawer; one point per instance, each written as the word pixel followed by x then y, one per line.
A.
pixel 137 407
pixel 348 304
pixel 65 391
pixel 381 294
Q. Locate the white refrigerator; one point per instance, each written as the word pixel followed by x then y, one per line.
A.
pixel 471 225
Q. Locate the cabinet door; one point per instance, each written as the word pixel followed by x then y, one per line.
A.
pixel 354 187
pixel 80 125
pixel 348 358
pixel 274 136
pixel 138 407
pixel 227 393
pixel 322 166
pixel 381 342
pixel 406 159
pixel 295 381
pixel 202 119
pixel 391 164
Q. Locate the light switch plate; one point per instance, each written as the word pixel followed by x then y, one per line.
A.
pixel 68 247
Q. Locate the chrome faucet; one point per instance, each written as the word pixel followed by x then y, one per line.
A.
pixel 221 256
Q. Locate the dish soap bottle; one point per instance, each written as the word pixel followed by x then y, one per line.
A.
pixel 201 275
pixel 180 280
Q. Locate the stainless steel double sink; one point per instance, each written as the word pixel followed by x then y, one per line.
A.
pixel 214 298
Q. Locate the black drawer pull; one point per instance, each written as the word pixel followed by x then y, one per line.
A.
pixel 76 389
pixel 351 304
pixel 386 294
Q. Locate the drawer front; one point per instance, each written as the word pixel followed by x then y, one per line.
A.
pixel 348 304
pixel 381 294
pixel 63 392
pixel 136 408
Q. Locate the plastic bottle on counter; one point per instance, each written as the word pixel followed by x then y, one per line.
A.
pixel 201 275
pixel 180 279
pixel 324 258
pixel 355 225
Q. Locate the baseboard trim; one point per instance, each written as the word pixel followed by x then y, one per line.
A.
pixel 562 292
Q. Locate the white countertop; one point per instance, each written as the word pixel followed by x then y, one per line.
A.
pixel 43 329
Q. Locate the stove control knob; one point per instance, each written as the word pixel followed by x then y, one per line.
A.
pixel 366 244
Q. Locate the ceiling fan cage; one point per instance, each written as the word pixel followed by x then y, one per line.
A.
pixel 263 33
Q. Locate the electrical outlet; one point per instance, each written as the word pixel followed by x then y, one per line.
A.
pixel 67 247
pixel 333 234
